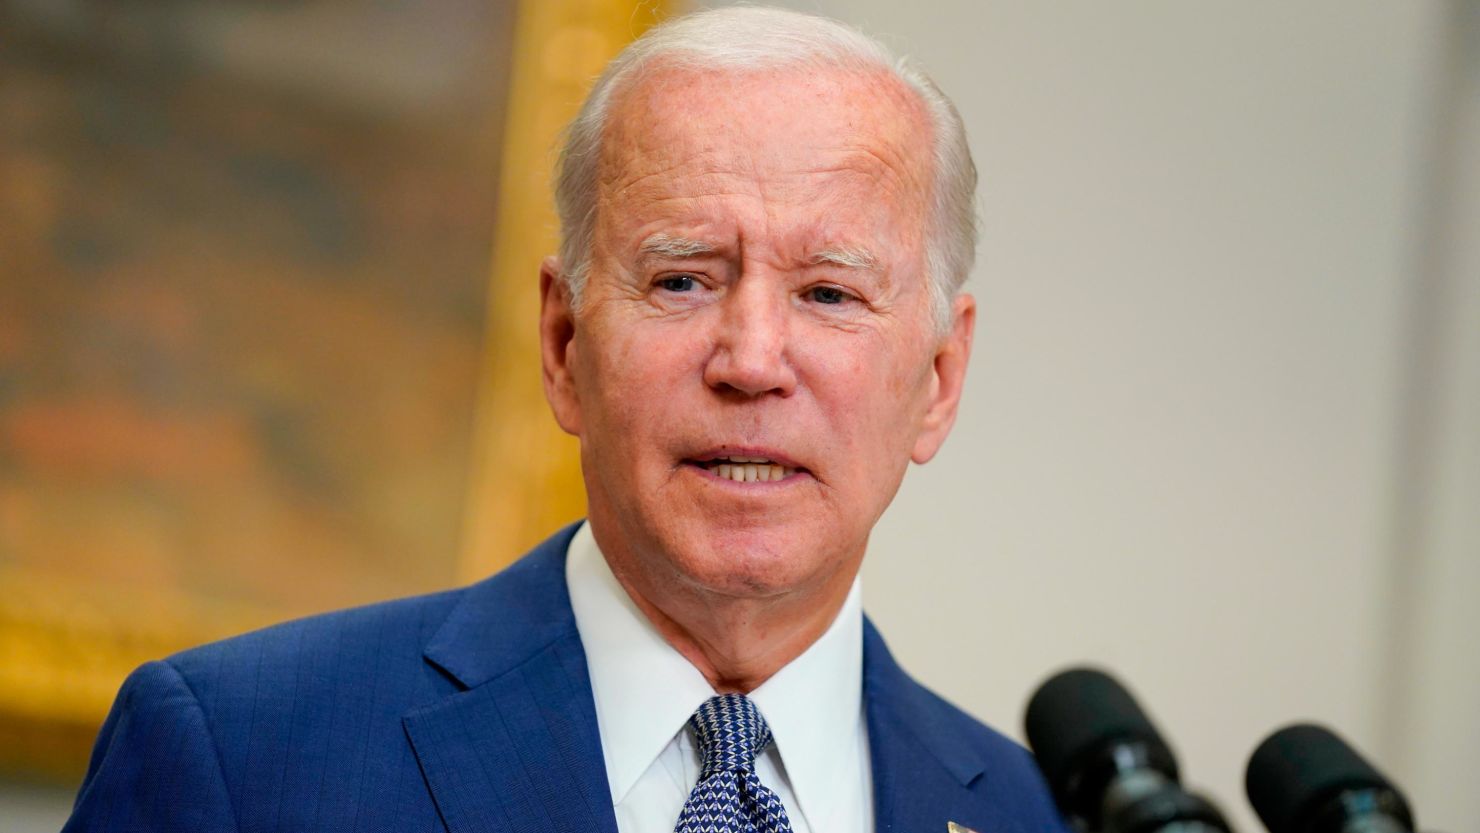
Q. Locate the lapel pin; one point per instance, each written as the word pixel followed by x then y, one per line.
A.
pixel 952 827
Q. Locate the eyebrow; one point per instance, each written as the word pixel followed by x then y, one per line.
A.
pixel 849 256
pixel 666 245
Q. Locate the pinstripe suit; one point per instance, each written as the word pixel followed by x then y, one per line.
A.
pixel 464 711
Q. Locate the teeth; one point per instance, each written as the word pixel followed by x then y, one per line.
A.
pixel 749 469
pixel 738 459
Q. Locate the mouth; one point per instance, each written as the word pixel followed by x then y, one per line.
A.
pixel 747 468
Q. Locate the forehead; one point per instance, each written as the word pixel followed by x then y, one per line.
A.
pixel 815 149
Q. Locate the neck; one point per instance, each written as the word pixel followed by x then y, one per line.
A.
pixel 738 643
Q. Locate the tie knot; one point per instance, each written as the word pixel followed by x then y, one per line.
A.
pixel 731 733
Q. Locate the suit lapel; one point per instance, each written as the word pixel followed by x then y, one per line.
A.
pixel 922 772
pixel 517 748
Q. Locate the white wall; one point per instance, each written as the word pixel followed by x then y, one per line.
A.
pixel 1184 449
pixel 1433 721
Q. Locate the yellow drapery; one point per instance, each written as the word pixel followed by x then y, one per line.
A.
pixel 525 476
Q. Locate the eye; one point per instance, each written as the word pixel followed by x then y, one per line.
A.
pixel 828 295
pixel 677 283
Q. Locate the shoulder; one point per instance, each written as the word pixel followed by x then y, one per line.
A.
pixel 918 726
pixel 380 651
pixel 296 717
pixel 311 701
pixel 1010 766
pixel 1003 756
pixel 300 725
pixel 335 678
pixel 324 650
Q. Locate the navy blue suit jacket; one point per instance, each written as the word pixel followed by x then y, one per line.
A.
pixel 468 711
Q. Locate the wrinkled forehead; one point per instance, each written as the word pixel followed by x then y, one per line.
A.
pixel 794 133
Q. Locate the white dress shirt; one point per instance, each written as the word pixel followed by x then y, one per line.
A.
pixel 645 692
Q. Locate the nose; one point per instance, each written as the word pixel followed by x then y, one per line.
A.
pixel 750 353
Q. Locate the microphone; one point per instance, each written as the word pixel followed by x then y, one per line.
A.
pixel 1305 779
pixel 1108 767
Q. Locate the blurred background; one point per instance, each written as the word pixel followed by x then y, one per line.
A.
pixel 267 278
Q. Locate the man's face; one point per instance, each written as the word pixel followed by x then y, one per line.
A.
pixel 757 291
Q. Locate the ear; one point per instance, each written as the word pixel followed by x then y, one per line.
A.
pixel 557 347
pixel 948 376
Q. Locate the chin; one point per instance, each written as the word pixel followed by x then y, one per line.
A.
pixel 750 562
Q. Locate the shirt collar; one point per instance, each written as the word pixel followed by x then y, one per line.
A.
pixel 645 691
pixel 814 708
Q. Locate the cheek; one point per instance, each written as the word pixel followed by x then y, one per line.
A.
pixel 873 398
pixel 633 379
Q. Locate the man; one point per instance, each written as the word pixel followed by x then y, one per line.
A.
pixel 753 326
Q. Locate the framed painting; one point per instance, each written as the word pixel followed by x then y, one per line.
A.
pixel 252 361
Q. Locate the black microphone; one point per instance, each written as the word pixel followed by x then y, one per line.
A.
pixel 1108 767
pixel 1305 779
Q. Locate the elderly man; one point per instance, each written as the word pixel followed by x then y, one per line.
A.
pixel 754 324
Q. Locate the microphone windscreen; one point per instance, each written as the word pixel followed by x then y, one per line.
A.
pixel 1079 712
pixel 1298 769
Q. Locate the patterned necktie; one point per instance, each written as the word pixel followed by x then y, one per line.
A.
pixel 729 797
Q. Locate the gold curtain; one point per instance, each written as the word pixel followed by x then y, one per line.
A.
pixel 526 477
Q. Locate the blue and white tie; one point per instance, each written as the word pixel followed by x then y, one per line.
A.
pixel 729 798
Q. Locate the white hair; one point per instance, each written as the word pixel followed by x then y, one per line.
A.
pixel 754 38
